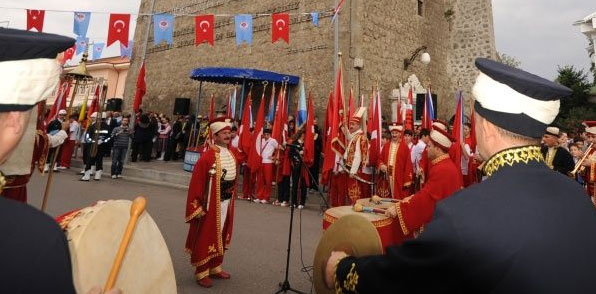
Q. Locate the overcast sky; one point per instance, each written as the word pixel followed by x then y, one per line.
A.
pixel 539 33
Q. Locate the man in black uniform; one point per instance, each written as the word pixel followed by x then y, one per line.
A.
pixel 555 156
pixel 34 254
pixel 100 137
pixel 524 229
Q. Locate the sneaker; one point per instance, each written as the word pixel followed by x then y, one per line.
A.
pixel 300 206
pixel 119 176
pixel 62 167
pixel 276 203
pixel 114 177
pixel 264 201
pixel 284 204
pixel 256 201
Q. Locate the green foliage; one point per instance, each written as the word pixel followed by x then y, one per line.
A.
pixel 576 108
pixel 509 60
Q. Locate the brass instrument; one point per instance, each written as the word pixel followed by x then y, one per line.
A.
pixel 578 166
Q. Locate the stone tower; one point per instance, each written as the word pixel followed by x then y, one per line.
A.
pixel 472 35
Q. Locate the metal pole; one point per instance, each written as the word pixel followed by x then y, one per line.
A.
pixel 242 99
pixel 336 40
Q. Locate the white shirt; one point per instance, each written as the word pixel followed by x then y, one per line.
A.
pixel 355 164
pixel 267 149
pixel 417 153
pixel 228 163
pixel 75 131
pixel 464 161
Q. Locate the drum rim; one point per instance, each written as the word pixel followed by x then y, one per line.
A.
pixel 377 223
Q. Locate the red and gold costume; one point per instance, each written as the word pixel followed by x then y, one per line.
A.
pixel 591 176
pixel 415 211
pixel 210 217
pixel 396 157
pixel 338 186
pixel 355 158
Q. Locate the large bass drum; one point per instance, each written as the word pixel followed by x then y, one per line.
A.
pixel 94 235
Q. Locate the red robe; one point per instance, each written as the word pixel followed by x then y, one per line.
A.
pixel 205 241
pixel 357 189
pixel 591 178
pixel 415 211
pixel 400 171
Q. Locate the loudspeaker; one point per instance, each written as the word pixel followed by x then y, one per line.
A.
pixel 181 106
pixel 114 104
pixel 420 105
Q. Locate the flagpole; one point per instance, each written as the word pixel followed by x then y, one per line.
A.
pixel 336 39
pixel 133 115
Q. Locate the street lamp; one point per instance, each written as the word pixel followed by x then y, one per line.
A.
pixel 424 57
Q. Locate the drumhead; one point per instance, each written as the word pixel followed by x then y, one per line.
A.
pixel 94 237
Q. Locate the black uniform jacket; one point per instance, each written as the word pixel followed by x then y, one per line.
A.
pixel 34 254
pixel 563 161
pixel 524 229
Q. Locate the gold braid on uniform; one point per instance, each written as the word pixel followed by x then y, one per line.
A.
pixel 509 157
pixel 350 282
pixel 2 182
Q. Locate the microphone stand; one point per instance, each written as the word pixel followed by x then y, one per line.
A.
pixel 284 286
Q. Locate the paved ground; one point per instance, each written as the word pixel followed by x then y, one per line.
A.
pixel 257 256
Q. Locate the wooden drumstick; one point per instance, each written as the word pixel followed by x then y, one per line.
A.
pixel 378 199
pixel 359 208
pixel 136 209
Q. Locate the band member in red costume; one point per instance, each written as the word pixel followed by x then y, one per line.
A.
pixel 415 211
pixel 395 166
pixel 210 204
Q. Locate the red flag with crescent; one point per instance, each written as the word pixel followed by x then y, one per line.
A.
pixel 280 27
pixel 118 30
pixel 204 29
pixel 68 54
pixel 35 19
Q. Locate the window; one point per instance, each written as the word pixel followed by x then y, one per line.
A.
pixel 420 8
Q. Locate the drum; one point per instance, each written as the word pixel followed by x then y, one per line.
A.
pixel 385 226
pixel 191 157
pixel 94 235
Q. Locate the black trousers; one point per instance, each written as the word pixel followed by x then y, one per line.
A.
pixel 298 186
pixel 143 149
pixel 283 189
pixel 96 160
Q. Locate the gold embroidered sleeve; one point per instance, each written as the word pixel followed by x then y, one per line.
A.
pixel 346 281
pixel 400 217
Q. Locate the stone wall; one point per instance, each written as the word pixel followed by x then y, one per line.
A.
pixel 472 35
pixel 383 33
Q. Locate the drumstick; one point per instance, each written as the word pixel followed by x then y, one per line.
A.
pixel 377 199
pixel 359 208
pixel 136 209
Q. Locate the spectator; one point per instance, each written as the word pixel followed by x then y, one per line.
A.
pixel 121 138
pixel 142 141
pixel 577 153
pixel 174 141
pixel 69 145
pixel 164 135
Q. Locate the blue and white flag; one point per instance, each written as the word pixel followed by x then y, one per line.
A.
pixel 315 18
pixel 81 44
pixel 271 112
pixel 301 113
pixel 126 51
pixel 81 23
pixel 243 28
pixel 97 50
pixel 163 28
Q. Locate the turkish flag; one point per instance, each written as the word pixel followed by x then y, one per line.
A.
pixel 244 131
pixel 254 157
pixel 410 111
pixel 204 29
pixel 309 137
pixel 35 19
pixel 280 27
pixel 68 54
pixel 281 118
pixel 376 132
pixel 212 108
pixel 141 89
pixel 60 102
pixel 118 30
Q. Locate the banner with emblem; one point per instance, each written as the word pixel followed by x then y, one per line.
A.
pixel 97 50
pixel 243 24
pixel 81 23
pixel 163 28
pixel 81 44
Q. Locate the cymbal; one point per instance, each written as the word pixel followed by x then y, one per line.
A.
pixel 353 234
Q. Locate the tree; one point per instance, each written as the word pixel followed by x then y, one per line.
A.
pixel 509 60
pixel 576 108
